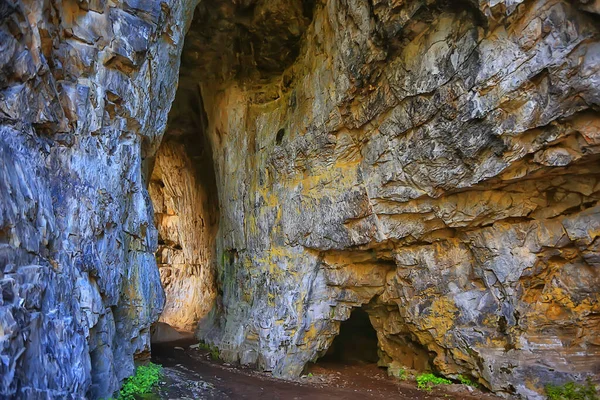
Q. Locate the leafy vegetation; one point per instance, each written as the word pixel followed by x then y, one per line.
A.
pixel 146 376
pixel 427 381
pixel 466 381
pixel 573 391
pixel 401 374
pixel 213 350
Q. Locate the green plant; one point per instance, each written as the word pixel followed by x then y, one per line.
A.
pixel 212 350
pixel 399 373
pixel 427 381
pixel 467 381
pixel 204 346
pixel 146 376
pixel 573 391
pixel 214 353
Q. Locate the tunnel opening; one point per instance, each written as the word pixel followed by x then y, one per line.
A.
pixel 184 195
pixel 356 342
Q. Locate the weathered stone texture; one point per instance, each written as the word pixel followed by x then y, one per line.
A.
pixel 85 88
pixel 186 215
pixel 434 162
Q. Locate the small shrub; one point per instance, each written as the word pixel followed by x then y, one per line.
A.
pixel 146 376
pixel 573 391
pixel 427 381
pixel 467 381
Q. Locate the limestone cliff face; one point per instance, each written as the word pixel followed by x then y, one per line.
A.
pixel 433 162
pixel 85 88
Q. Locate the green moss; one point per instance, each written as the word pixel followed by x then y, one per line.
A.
pixel 467 381
pixel 573 391
pixel 427 381
pixel 146 376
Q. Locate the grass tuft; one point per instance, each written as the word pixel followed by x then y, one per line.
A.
pixel 466 381
pixel 145 378
pixel 427 381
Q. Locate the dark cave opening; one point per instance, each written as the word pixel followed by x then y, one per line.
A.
pixel 356 342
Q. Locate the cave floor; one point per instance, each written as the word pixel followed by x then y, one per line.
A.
pixel 192 374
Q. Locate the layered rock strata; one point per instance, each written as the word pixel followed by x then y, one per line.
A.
pixel 432 162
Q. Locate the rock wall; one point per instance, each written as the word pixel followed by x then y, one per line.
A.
pixel 85 88
pixel 433 162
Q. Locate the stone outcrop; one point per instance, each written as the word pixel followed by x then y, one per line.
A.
pixel 433 162
pixel 85 89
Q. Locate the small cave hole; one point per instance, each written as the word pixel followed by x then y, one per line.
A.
pixel 308 7
pixel 280 135
pixel 355 344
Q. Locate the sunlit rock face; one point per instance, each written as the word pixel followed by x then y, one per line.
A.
pixel 433 162
pixel 184 196
pixel 85 88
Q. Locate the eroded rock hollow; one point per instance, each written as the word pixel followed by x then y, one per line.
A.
pixel 431 166
pixel 184 196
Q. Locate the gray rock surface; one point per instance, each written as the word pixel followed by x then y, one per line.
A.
pixel 85 88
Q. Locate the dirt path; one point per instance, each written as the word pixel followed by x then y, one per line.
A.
pixel 191 374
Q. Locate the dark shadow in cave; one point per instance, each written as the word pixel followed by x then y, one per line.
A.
pixel 356 343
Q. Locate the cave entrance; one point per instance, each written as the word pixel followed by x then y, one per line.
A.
pixel 356 342
pixel 183 189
